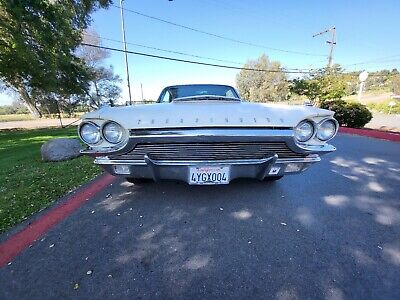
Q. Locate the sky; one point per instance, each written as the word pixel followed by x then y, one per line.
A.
pixel 367 33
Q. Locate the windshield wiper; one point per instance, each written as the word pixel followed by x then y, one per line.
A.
pixel 208 97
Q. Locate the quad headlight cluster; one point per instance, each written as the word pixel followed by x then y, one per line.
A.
pixel 92 134
pixel 323 131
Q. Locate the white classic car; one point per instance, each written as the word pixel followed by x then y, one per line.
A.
pixel 205 134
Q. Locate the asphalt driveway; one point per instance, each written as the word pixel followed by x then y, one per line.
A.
pixel 332 232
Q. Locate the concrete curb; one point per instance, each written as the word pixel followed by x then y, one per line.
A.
pixel 18 242
pixel 378 134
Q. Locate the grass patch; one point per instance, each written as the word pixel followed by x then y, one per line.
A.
pixel 383 107
pixel 27 184
pixel 15 117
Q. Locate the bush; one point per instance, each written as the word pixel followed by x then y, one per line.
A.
pixel 350 114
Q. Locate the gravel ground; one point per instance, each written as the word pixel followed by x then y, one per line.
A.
pixel 41 123
pixel 385 122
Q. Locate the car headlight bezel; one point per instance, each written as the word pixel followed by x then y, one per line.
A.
pixel 96 130
pixel 116 139
pixel 319 129
pixel 308 136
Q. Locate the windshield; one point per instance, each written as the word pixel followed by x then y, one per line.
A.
pixel 182 91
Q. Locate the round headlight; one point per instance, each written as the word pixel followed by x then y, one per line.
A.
pixel 326 130
pixel 304 131
pixel 113 132
pixel 90 133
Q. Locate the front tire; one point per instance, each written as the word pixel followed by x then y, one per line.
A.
pixel 138 181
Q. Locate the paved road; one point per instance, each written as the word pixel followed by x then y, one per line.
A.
pixel 332 233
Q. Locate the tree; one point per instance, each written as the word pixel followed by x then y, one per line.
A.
pixel 104 88
pixel 326 83
pixel 262 86
pixel 305 87
pixel 103 83
pixel 15 108
pixel 37 43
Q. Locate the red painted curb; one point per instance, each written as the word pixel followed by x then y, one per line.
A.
pixel 378 134
pixel 18 242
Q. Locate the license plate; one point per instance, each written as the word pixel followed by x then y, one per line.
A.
pixel 209 175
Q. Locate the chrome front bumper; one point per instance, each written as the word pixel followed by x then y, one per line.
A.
pixel 178 170
pixel 151 168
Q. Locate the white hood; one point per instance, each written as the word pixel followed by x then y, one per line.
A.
pixel 204 113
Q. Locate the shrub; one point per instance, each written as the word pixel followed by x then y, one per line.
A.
pixel 350 114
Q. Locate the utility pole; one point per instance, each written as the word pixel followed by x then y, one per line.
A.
pixel 121 2
pixel 331 42
pixel 141 88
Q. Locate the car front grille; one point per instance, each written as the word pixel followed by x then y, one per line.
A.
pixel 209 151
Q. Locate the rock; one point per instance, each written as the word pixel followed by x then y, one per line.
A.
pixel 60 149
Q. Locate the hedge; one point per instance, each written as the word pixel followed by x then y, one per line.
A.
pixel 349 114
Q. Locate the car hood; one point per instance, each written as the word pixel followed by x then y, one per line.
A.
pixel 208 114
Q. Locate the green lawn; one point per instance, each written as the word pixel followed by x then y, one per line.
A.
pixel 383 107
pixel 28 184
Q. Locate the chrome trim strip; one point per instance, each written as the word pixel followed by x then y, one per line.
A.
pixel 317 148
pixel 104 160
pixel 230 132
pixel 210 162
pixel 313 159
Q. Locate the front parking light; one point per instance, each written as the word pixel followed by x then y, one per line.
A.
pixel 122 169
pixel 294 167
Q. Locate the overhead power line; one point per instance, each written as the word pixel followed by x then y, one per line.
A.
pixel 169 51
pixel 197 62
pixel 188 54
pixel 310 71
pixel 217 35
pixel 376 60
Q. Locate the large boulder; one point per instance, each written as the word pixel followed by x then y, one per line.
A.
pixel 60 149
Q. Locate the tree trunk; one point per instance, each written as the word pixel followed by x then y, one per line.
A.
pixel 97 101
pixel 29 102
